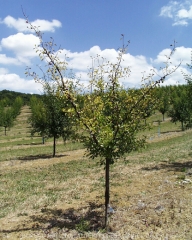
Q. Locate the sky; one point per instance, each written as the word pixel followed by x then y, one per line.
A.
pixel 86 28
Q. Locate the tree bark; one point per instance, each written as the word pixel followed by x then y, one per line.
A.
pixel 107 196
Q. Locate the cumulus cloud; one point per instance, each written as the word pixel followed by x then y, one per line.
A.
pixel 8 60
pixel 184 13
pixel 179 11
pixel 181 55
pixel 21 26
pixel 177 77
pixel 81 62
pixel 22 45
pixel 12 81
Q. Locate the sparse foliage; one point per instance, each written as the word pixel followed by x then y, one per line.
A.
pixel 110 116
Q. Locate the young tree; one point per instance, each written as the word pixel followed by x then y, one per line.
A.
pixel 188 79
pixel 163 95
pixel 5 102
pixel 9 113
pixel 7 118
pixel 37 119
pixel 50 119
pixel 110 116
pixel 1 114
pixel 180 110
pixel 18 103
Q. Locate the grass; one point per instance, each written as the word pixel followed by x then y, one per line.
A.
pixel 19 144
pixel 27 183
pixel 66 194
pixel 16 152
pixel 20 186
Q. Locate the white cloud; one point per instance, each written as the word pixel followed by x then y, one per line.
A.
pixel 167 11
pixel 81 62
pixel 183 13
pixel 21 26
pixel 181 54
pixel 177 77
pixel 179 11
pixel 14 82
pixel 139 66
pixel 3 71
pixel 8 60
pixel 181 23
pixel 22 45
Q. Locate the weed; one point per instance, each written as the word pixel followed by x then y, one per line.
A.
pixel 129 182
pixel 181 177
pixel 82 226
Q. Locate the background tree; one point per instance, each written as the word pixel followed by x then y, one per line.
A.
pixel 188 79
pixel 37 119
pixel 1 114
pixel 10 96
pixel 7 118
pixel 180 109
pixel 9 111
pixel 16 107
pixel 50 117
pixel 163 95
pixel 111 117
pixel 5 102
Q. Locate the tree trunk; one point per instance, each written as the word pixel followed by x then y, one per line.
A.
pixel 182 126
pixel 54 146
pixel 163 117
pixel 5 131
pixel 106 191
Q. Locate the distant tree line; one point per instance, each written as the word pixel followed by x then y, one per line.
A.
pixel 9 97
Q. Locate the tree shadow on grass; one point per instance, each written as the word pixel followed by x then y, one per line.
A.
pixel 82 219
pixel 40 156
pixel 171 166
pixel 29 144
pixel 85 218
pixel 171 131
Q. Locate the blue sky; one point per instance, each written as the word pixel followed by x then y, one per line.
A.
pixel 85 28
